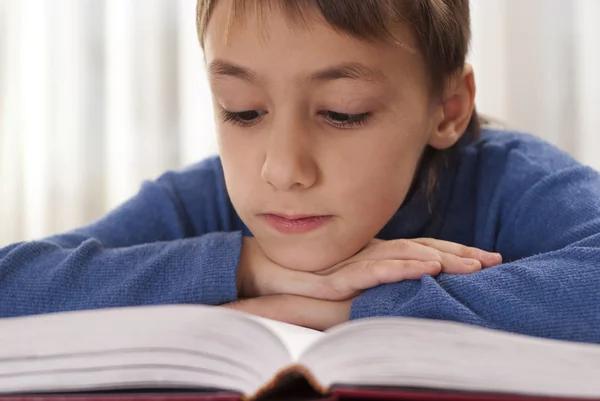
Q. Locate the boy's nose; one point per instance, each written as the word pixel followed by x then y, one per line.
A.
pixel 288 163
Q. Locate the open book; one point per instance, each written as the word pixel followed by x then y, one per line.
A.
pixel 198 347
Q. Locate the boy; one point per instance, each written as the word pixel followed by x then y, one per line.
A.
pixel 351 174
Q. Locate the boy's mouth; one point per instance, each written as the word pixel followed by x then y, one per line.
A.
pixel 295 224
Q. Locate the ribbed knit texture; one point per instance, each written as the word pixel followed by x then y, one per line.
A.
pixel 179 239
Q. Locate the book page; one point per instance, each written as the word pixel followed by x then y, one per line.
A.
pixel 430 354
pixel 296 338
pixel 182 346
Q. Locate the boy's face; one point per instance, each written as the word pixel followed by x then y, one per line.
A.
pixel 312 122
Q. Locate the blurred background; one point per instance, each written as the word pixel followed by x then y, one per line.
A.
pixel 98 95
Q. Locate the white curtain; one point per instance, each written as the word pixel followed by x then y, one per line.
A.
pixel 96 96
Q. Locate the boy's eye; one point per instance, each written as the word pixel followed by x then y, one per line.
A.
pixel 248 118
pixel 344 120
pixel 244 118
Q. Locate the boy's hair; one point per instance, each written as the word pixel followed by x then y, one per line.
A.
pixel 441 28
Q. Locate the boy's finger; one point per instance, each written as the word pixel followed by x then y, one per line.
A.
pixel 401 249
pixel 363 275
pixel 413 250
pixel 453 264
pixel 487 259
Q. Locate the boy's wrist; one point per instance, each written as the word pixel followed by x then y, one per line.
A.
pixel 242 284
pixel 252 266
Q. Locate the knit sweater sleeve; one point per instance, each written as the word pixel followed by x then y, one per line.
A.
pixel 147 251
pixel 549 285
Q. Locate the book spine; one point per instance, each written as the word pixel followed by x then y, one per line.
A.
pixel 284 375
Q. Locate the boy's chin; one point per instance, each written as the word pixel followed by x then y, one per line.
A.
pixel 311 259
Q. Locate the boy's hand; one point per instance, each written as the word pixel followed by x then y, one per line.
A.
pixel 307 312
pixel 384 262
pixel 380 262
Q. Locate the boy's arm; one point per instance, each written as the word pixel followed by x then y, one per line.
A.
pixel 552 290
pixel 145 252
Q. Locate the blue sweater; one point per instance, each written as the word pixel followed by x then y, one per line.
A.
pixel 178 241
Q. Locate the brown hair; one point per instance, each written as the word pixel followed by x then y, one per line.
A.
pixel 441 28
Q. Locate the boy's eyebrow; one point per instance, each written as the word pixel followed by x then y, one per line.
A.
pixel 220 67
pixel 351 70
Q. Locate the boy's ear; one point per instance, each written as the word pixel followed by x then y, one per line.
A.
pixel 455 110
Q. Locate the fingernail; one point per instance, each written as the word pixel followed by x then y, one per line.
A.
pixel 468 262
pixel 490 256
pixel 432 264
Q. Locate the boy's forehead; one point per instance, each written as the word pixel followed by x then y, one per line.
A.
pixel 264 48
pixel 258 23
pixel 271 16
pixel 437 32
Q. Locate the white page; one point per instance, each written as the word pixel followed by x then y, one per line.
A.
pixel 295 338
pixel 411 352
pixel 221 344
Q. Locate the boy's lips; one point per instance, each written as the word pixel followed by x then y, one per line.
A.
pixel 295 224
pixel 294 216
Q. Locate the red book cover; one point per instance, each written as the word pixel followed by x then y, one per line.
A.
pixel 204 396
pixel 376 394
pixel 346 393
